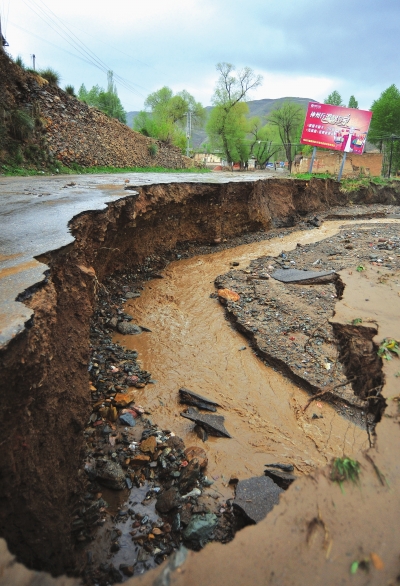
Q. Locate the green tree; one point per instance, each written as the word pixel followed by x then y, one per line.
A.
pixel 335 99
pixel 288 120
pixel 165 116
pixel 353 102
pixel 227 125
pixel 105 100
pixel 263 143
pixel 385 116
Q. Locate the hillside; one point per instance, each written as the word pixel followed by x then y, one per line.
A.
pixel 42 126
pixel 257 108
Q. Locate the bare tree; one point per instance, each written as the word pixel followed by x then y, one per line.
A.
pixel 226 126
pixel 287 119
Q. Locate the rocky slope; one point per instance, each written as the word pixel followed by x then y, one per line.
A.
pixel 42 125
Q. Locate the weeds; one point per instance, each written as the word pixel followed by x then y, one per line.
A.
pixel 12 169
pixel 387 347
pixel 50 75
pixel 345 469
pixel 152 149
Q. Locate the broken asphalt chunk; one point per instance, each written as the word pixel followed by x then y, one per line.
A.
pixel 256 497
pixel 190 398
pixel 213 424
pixel 284 467
pixel 297 276
pixel 281 478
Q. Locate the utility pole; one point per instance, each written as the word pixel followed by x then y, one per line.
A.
pixel 1 37
pixel 188 130
pixel 3 42
pixel 33 61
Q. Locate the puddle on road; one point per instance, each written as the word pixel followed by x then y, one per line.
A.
pixel 192 345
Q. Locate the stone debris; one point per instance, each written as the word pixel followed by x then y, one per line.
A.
pixel 281 478
pixel 297 276
pixel 110 474
pixel 284 467
pixel 199 530
pixel 190 398
pixel 256 497
pixel 126 328
pixel 212 424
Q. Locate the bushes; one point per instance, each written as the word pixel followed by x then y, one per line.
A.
pixel 152 149
pixel 20 124
pixel 50 75
pixel 70 90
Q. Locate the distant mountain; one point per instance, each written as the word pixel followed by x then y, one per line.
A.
pixel 257 108
pixel 130 117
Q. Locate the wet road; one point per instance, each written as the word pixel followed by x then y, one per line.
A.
pixel 34 217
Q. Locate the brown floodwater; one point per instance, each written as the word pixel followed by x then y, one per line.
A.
pixel 192 345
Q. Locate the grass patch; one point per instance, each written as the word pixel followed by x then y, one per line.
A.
pixel 12 170
pixel 308 176
pixel 350 185
pixel 345 469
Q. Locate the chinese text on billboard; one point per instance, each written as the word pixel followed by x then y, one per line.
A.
pixel 336 128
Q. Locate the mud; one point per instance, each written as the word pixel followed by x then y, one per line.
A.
pixel 45 403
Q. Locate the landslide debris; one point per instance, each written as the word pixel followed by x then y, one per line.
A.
pixel 288 322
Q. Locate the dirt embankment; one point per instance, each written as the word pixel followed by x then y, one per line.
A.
pixel 44 401
pixel 68 130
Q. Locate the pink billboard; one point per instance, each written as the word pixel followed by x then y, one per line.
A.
pixel 336 128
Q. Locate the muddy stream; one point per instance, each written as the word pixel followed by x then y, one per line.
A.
pixel 192 345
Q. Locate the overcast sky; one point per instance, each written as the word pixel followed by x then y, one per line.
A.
pixel 306 48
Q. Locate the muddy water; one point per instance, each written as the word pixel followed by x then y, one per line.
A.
pixel 192 345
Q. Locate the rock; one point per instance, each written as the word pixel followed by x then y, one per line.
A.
pixel 228 295
pixel 281 478
pixel 255 497
pixel 124 399
pixel 127 328
pixel 132 380
pixel 149 445
pixel 284 467
pixel 201 433
pixel 168 500
pixel 297 276
pixel 127 419
pixel 213 424
pixel 140 459
pixel 113 323
pixel 198 453
pixel 199 529
pixel 189 475
pixel 131 295
pixel 190 398
pixel 175 443
pixel 110 474
pixel 127 570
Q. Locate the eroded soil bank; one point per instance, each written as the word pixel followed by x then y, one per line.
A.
pixel 45 403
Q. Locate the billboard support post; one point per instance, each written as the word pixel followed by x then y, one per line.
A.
pixel 312 159
pixel 342 166
pixel 391 156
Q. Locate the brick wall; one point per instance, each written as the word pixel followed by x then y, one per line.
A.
pixel 329 162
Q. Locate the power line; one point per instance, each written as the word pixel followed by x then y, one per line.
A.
pixel 50 43
pixel 75 42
